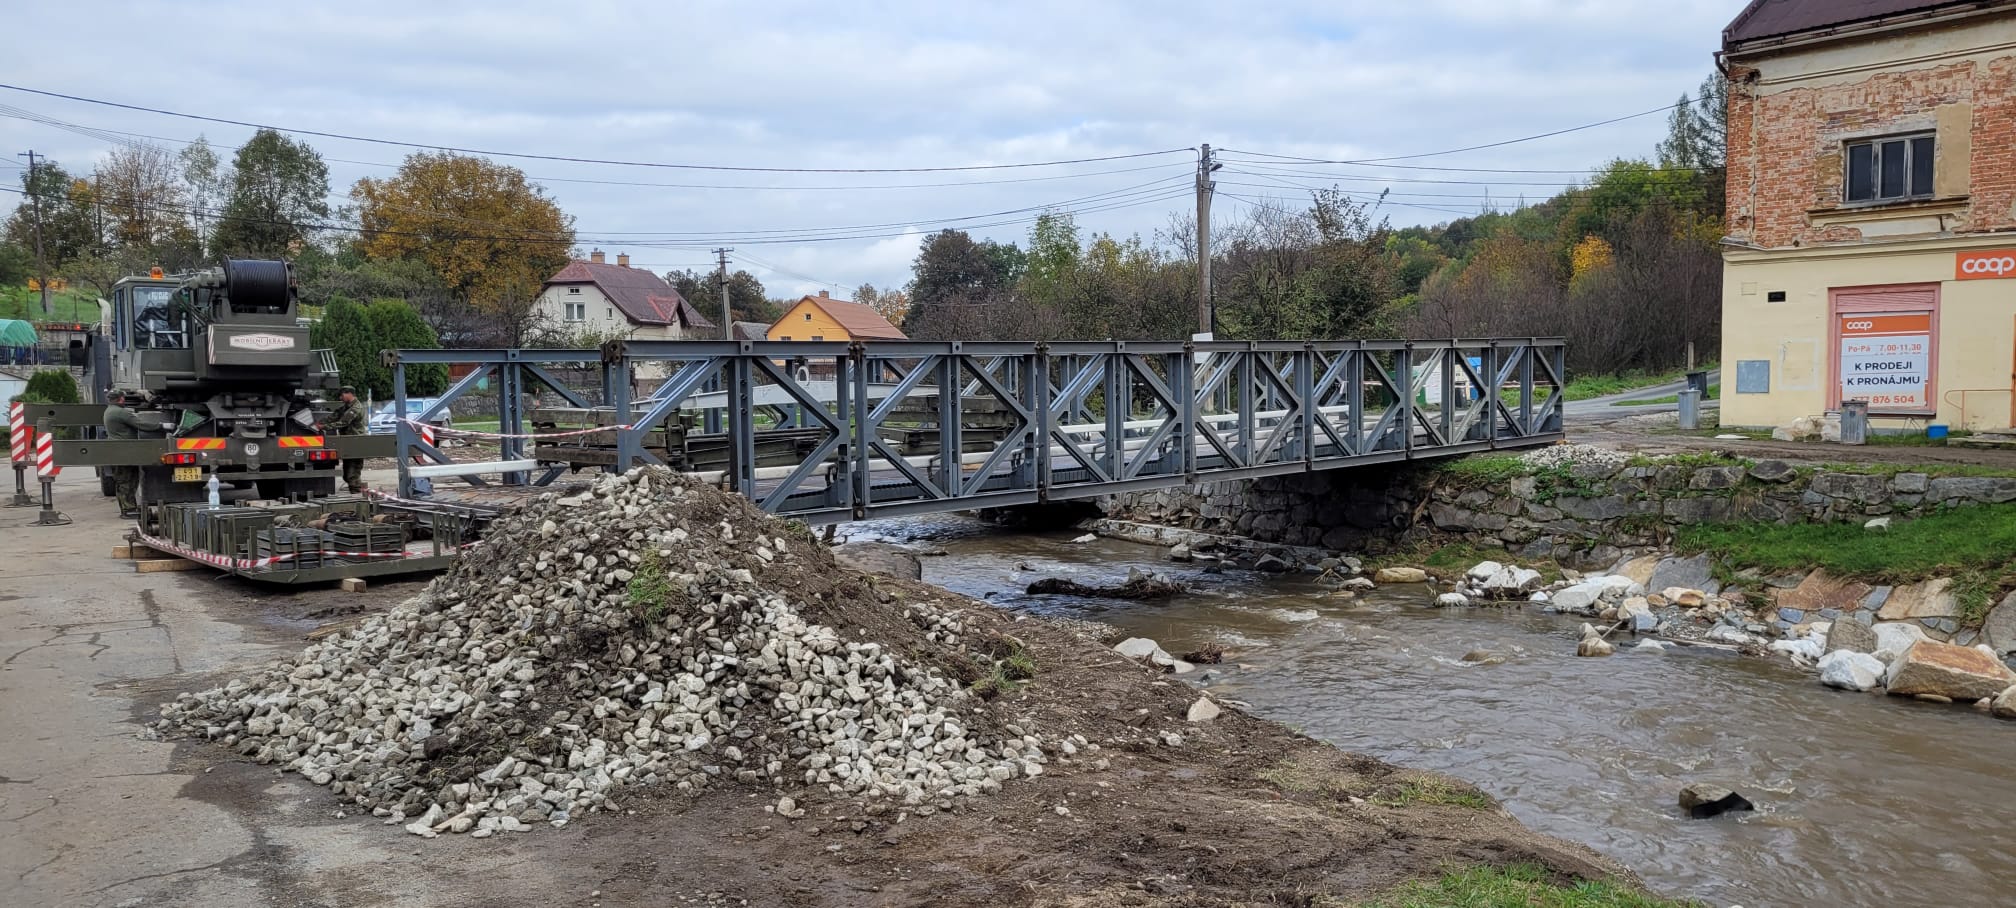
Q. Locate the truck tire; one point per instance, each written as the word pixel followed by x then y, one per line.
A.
pixel 107 484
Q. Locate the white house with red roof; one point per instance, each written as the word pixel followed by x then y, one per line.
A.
pixel 593 298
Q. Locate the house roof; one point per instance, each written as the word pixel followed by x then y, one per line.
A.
pixel 859 320
pixel 1777 18
pixel 754 331
pixel 644 297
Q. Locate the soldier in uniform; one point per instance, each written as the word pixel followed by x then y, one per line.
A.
pixel 348 419
pixel 122 422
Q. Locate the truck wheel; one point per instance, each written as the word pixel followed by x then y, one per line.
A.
pixel 109 486
pixel 272 489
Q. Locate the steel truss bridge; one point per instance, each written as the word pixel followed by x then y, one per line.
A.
pixel 828 432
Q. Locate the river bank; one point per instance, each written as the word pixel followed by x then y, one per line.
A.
pixel 770 728
pixel 1588 749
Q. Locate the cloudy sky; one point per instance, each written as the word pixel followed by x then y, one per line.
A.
pixel 882 86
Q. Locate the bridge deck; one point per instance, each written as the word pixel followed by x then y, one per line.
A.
pixel 1033 422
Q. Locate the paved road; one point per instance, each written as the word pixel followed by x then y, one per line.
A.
pixel 1605 408
pixel 96 814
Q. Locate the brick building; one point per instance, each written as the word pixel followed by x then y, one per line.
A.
pixel 1872 211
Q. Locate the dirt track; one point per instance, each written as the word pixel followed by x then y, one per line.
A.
pixel 1655 434
pixel 96 813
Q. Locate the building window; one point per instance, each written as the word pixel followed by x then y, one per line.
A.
pixel 808 316
pixel 577 312
pixel 817 337
pixel 573 290
pixel 1888 170
pixel 785 337
pixel 609 312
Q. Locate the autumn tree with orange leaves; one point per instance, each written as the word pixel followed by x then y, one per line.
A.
pixel 493 237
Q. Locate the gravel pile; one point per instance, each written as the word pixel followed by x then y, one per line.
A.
pixel 1570 455
pixel 645 631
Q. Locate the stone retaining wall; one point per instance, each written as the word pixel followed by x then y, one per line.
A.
pixel 1584 514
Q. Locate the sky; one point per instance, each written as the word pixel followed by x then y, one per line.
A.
pixel 885 86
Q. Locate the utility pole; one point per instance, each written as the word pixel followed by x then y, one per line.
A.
pixel 35 202
pixel 1205 314
pixel 727 312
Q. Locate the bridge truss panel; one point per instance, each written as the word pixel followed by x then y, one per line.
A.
pixel 828 432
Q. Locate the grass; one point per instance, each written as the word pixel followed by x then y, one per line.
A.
pixel 70 305
pixel 1005 676
pixel 1714 393
pixel 1516 886
pixel 1585 387
pixel 1436 792
pixel 1487 469
pixel 649 590
pixel 1973 545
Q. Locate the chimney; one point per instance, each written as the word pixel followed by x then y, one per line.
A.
pixel 824 296
pixel 623 259
pixel 596 257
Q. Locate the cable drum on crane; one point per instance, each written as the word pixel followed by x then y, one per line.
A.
pixel 256 285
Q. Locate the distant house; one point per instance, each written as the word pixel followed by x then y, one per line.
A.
pixel 823 318
pixel 595 298
pixel 752 331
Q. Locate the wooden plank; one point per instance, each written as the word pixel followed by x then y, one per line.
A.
pixel 167 565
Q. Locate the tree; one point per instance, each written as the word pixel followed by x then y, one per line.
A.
pixel 1318 273
pixel 477 224
pixel 1697 132
pixel 746 297
pixel 68 206
pixel 51 386
pixel 145 204
pixel 958 289
pixel 208 181
pixel 346 328
pixel 278 194
pixel 890 304
pixel 17 265
pixel 395 326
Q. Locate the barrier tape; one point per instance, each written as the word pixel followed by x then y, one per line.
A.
pixel 245 564
pixel 472 433
pixel 45 456
pixel 19 433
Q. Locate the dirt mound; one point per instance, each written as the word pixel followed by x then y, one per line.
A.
pixel 645 631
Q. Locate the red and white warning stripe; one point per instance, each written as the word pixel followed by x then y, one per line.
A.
pixel 45 456
pixel 19 447
pixel 426 429
pixel 245 564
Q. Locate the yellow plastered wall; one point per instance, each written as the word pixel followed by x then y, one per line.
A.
pixel 796 326
pixel 1976 333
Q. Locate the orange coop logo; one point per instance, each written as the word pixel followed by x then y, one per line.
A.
pixel 1982 266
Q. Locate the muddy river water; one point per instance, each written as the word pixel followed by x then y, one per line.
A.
pixel 1862 800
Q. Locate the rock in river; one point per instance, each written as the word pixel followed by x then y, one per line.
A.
pixel 1852 636
pixel 2004 705
pixel 1850 670
pixel 1702 800
pixel 1401 575
pixel 1956 672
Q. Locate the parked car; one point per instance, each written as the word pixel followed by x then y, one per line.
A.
pixel 385 421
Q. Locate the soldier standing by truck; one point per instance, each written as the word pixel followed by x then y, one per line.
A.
pixel 349 419
pixel 122 422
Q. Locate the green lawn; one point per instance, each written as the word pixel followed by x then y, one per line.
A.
pixel 1518 886
pixel 1714 393
pixel 1584 387
pixel 72 305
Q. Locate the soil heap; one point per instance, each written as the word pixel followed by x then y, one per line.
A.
pixel 643 631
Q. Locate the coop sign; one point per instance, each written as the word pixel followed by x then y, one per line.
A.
pixel 1886 359
pixel 261 342
pixel 1981 266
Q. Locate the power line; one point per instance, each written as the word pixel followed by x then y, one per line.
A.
pixel 789 273
pixel 1499 144
pixel 113 136
pixel 1280 160
pixel 426 146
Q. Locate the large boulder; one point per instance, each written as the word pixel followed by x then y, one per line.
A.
pixel 1930 599
pixel 1894 637
pixel 1850 670
pixel 1401 575
pixel 1999 631
pixel 2004 705
pixel 1702 800
pixel 1944 670
pixel 1504 581
pixel 1822 591
pixel 1851 636
pixel 1592 590
pixel 1696 573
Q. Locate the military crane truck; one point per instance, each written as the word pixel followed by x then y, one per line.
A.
pixel 222 356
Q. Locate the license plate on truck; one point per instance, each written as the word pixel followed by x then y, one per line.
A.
pixel 188 474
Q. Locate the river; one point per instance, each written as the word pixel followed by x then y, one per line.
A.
pixel 1863 800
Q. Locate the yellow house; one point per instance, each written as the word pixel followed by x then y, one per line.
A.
pixel 823 318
